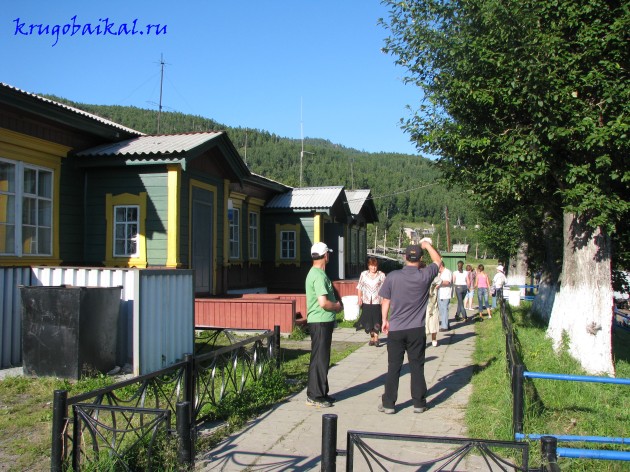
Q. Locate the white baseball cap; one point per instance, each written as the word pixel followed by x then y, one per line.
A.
pixel 319 249
pixel 500 268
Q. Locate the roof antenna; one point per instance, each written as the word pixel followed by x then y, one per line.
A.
pixel 161 82
pixel 302 152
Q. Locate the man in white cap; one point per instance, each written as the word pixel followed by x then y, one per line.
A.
pixel 321 306
pixel 498 281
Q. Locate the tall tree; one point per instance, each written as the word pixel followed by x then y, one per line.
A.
pixel 527 102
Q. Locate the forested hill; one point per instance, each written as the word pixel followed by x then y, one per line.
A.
pixel 404 187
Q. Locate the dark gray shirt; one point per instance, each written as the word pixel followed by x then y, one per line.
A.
pixel 408 292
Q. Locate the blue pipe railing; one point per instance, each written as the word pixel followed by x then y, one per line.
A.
pixel 519 374
pixel 575 378
pixel 570 438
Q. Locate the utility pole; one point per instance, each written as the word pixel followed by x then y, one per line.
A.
pixel 448 231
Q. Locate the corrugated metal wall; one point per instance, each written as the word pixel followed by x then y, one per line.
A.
pixel 153 333
pixel 11 314
pixel 164 324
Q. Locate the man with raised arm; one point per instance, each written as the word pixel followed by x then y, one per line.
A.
pixel 404 304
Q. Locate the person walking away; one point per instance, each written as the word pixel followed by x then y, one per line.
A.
pixel 321 306
pixel 470 282
pixel 370 282
pixel 444 296
pixel 498 281
pixel 461 287
pixel 403 306
pixel 432 323
pixel 482 286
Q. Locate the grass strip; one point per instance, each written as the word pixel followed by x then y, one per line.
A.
pixel 552 407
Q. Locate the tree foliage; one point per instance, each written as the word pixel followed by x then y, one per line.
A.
pixel 525 101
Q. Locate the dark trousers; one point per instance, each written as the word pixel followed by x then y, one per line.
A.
pixel 321 340
pixel 413 341
pixel 460 292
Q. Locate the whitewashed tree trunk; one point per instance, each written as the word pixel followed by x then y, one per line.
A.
pixel 517 273
pixel 582 310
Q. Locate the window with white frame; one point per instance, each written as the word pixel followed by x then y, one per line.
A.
pixel 235 229
pixel 287 245
pixel 126 226
pixel 26 209
pixel 253 235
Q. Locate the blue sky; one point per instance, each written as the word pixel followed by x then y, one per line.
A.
pixel 279 65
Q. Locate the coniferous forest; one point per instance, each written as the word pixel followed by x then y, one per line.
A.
pixel 407 189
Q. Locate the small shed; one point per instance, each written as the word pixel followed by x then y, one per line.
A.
pixel 450 259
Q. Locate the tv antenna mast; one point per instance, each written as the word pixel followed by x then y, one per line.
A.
pixel 161 82
pixel 302 152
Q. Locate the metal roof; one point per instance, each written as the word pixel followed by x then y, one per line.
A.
pixel 72 109
pixel 356 200
pixel 148 145
pixel 306 198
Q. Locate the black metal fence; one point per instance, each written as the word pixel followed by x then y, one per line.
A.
pixel 127 426
pixel 365 452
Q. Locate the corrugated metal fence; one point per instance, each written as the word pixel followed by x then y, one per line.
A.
pixel 10 314
pixel 156 325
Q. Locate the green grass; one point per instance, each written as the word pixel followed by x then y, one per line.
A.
pixel 554 407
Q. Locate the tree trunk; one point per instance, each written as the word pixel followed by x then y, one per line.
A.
pixel 582 310
pixel 548 285
pixel 517 273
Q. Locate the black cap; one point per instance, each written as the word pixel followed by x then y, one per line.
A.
pixel 413 253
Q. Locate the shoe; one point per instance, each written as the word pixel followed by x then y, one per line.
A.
pixel 330 399
pixel 434 343
pixel 465 319
pixel 420 409
pixel 377 344
pixel 387 411
pixel 318 403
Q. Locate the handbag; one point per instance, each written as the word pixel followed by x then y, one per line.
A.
pixel 493 291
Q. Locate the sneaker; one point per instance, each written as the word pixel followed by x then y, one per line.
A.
pixel 318 403
pixel 387 411
pixel 420 409
pixel 434 343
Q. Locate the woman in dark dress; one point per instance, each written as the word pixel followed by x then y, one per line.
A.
pixel 369 284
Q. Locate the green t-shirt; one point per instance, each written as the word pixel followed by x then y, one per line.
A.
pixel 318 283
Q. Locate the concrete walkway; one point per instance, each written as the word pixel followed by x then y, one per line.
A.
pixel 289 437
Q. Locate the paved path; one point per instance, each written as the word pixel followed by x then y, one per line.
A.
pixel 288 437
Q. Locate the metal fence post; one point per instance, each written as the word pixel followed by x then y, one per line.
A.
pixel 518 403
pixel 329 443
pixel 60 408
pixel 276 344
pixel 185 449
pixel 548 447
pixel 189 384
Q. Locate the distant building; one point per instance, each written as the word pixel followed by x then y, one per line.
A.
pixel 460 248
pixel 411 234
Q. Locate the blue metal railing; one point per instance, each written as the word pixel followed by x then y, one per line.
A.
pixel 518 376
